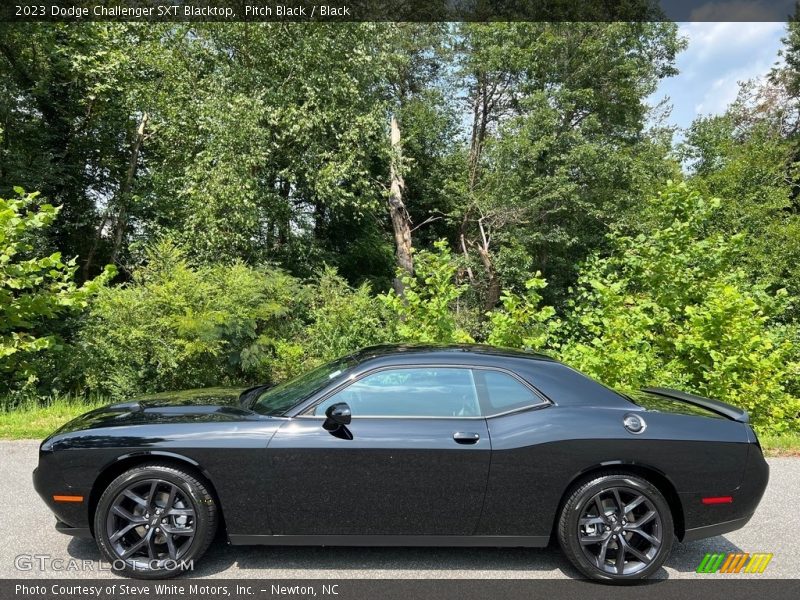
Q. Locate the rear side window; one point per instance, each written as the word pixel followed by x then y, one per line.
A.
pixel 503 392
pixel 410 392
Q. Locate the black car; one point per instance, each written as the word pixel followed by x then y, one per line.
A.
pixel 407 446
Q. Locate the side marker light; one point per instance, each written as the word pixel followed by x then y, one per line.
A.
pixel 718 500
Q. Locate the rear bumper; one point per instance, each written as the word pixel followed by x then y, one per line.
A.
pixel 703 521
pixel 707 531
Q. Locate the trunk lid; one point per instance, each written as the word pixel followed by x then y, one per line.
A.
pixel 669 400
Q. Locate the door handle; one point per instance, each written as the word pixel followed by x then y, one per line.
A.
pixel 462 437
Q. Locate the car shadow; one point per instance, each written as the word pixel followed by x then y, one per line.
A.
pixel 360 562
pixel 83 549
pixel 357 562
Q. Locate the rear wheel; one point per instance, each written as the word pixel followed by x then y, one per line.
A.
pixel 154 521
pixel 616 527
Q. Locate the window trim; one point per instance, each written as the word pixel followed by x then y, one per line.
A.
pixel 482 401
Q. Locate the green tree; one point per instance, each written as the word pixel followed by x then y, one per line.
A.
pixel 35 290
pixel 558 149
pixel 67 99
pixel 284 122
pixel 746 157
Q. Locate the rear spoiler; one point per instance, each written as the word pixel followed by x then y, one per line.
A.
pixel 721 408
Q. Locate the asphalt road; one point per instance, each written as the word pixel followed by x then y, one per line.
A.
pixel 26 529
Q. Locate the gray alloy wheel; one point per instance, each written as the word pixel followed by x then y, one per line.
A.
pixel 155 520
pixel 616 527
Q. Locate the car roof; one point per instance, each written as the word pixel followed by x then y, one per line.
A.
pixel 448 353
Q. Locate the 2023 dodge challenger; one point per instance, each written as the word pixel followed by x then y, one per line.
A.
pixel 407 446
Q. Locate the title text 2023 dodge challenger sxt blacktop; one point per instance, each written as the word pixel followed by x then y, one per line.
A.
pixel 407 446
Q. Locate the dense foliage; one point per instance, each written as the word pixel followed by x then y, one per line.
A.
pixel 427 312
pixel 275 195
pixel 674 307
pixel 175 325
pixel 36 291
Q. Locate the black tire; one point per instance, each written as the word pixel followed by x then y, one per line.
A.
pixel 162 544
pixel 593 539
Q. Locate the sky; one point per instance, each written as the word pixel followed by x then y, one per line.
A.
pixel 718 56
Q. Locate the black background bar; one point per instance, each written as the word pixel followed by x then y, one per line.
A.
pixel 394 10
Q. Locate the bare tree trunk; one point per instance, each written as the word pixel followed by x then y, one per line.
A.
pixel 480 125
pixel 463 239
pixel 481 107
pixel 89 262
pixel 401 222
pixel 493 285
pixel 121 221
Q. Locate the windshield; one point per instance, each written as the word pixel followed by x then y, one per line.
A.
pixel 277 400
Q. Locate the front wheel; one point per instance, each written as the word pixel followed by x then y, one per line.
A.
pixel 154 521
pixel 616 528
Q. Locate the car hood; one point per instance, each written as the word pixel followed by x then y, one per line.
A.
pixel 187 406
pixel 188 398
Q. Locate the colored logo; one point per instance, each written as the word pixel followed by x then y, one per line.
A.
pixel 734 562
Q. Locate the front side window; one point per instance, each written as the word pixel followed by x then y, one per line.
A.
pixel 503 392
pixel 410 392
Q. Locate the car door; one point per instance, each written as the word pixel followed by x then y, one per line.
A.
pixel 413 461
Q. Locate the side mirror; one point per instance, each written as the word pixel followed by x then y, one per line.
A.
pixel 338 415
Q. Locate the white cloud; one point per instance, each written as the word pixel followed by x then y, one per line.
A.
pixel 709 40
pixel 719 56
pixel 717 43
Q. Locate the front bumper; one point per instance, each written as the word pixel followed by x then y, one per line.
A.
pixel 48 482
pixel 80 532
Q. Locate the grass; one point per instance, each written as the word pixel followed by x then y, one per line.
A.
pixel 33 420
pixel 787 444
pixel 38 420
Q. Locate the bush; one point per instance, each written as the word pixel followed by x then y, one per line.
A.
pixel 344 319
pixel 520 322
pixel 178 326
pixel 672 308
pixel 36 292
pixel 426 312
pixel 341 320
